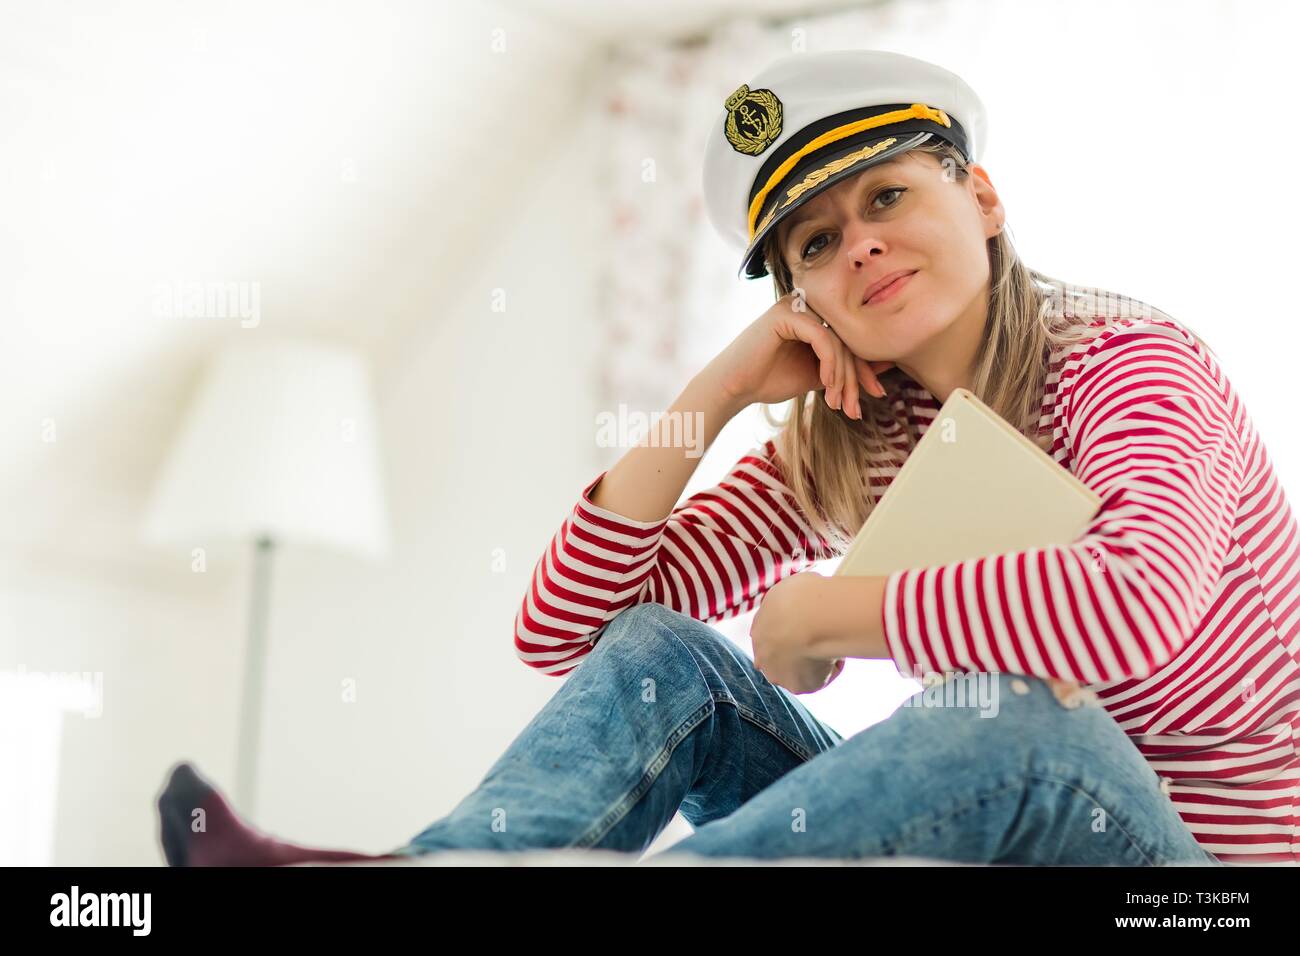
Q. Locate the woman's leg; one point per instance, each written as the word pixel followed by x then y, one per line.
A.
pixel 198 827
pixel 663 713
pixel 1002 775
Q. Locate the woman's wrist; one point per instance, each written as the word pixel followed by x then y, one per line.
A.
pixel 706 385
pixel 847 621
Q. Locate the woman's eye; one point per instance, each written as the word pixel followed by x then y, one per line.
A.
pixel 810 243
pixel 893 189
pixel 884 192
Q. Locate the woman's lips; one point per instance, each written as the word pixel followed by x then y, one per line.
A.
pixel 891 290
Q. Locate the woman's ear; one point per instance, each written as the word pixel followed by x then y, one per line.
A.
pixel 990 203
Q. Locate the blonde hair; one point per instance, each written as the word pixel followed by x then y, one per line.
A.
pixel 1029 317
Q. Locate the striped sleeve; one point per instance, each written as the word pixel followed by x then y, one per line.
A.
pixel 712 558
pixel 1150 427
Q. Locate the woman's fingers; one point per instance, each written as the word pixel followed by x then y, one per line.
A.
pixel 844 393
pixel 846 382
pixel 809 332
pixel 835 394
pixel 822 346
pixel 842 373
pixel 852 397
pixel 823 342
pixel 832 345
pixel 868 375
pixel 1071 695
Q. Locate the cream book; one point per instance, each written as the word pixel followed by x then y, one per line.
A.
pixel 972 486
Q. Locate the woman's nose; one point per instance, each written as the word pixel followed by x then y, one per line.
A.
pixel 861 243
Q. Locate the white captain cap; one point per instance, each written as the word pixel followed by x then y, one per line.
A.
pixel 811 119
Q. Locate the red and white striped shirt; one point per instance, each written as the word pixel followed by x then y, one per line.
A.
pixel 1190 636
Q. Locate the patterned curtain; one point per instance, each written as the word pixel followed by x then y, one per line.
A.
pixel 668 292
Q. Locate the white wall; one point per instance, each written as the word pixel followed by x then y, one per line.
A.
pixel 446 145
pixel 489 432
pixel 166 658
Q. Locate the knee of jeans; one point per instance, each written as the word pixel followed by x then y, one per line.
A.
pixel 643 626
pixel 656 630
pixel 637 617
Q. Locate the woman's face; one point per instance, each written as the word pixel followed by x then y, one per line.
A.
pixel 911 214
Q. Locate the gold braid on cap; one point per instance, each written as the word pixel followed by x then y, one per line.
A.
pixel 916 111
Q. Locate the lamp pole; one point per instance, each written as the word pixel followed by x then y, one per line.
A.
pixel 250 716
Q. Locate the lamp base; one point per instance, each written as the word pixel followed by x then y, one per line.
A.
pixel 250 715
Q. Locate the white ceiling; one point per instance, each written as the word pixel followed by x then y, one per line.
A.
pixel 343 156
pixel 619 21
pixel 335 155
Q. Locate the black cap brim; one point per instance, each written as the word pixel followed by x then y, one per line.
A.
pixel 752 265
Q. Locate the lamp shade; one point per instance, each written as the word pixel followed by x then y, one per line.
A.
pixel 280 442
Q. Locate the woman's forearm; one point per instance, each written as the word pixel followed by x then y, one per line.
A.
pixel 848 619
pixel 646 483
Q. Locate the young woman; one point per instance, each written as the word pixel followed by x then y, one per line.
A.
pixel 896 283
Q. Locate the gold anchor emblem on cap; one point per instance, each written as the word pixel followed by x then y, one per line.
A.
pixel 753 120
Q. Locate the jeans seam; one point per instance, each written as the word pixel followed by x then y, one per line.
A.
pixel 1133 841
pixel 754 718
pixel 610 819
pixel 952 814
pixel 745 712
pixel 718 698
pixel 597 831
pixel 947 818
pixel 784 738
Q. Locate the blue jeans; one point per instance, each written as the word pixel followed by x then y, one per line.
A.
pixel 666 713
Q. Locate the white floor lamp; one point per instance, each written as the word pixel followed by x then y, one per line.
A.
pixel 280 445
